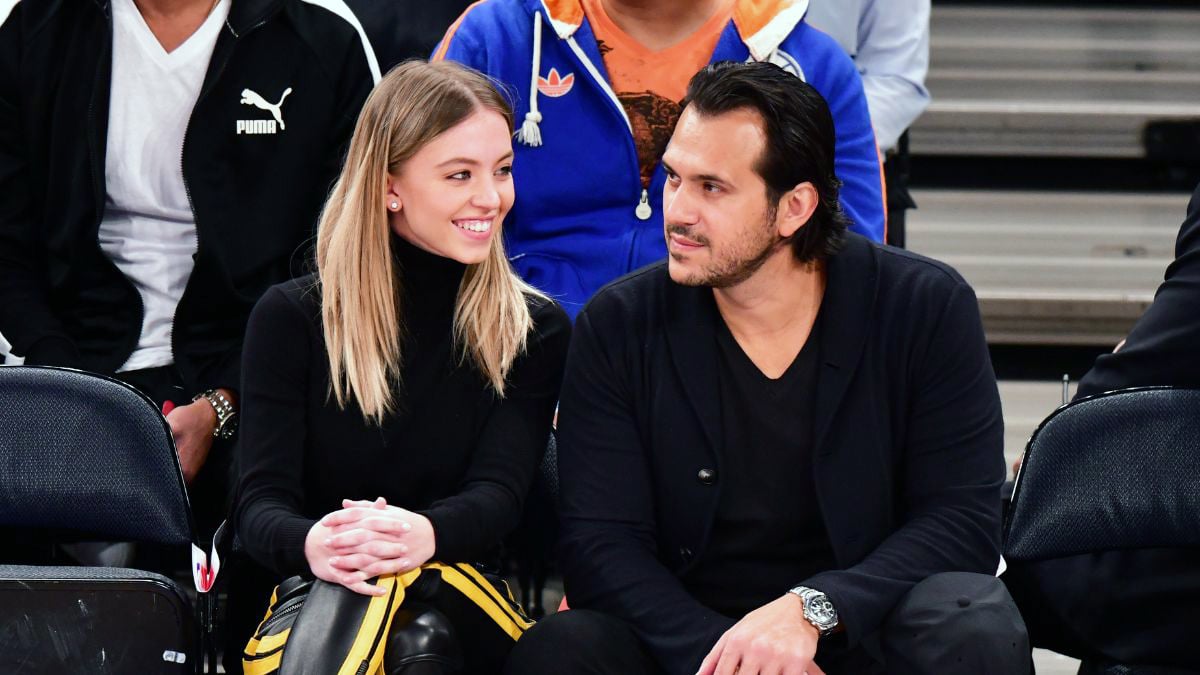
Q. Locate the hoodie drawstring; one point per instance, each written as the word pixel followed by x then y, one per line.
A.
pixel 529 133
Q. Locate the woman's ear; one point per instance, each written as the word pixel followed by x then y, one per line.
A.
pixel 796 208
pixel 391 196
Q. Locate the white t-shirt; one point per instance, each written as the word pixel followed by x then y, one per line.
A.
pixel 148 229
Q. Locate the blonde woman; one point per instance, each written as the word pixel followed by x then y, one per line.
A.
pixel 396 404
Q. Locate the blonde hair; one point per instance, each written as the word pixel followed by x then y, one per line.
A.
pixel 360 284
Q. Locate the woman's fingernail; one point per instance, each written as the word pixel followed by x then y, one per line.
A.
pixel 334 560
pixel 329 541
pixel 404 562
pixel 406 526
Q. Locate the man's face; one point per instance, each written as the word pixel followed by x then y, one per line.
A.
pixel 718 223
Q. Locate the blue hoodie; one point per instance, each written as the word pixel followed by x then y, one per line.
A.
pixel 581 217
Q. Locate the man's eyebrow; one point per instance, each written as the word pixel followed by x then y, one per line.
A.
pixel 705 177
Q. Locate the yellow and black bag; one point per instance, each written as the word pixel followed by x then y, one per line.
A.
pixel 452 614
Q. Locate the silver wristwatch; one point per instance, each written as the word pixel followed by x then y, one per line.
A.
pixel 818 610
pixel 226 415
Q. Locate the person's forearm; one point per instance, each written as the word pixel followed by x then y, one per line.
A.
pixel 895 104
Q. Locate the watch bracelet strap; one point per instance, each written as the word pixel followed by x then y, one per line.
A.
pixel 222 406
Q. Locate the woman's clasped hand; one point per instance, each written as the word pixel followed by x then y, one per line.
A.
pixel 366 539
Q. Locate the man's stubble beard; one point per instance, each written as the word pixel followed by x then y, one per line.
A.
pixel 742 261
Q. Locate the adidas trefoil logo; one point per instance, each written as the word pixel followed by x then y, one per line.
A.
pixel 554 85
pixel 252 98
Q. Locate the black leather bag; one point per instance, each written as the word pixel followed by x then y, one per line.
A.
pixel 438 618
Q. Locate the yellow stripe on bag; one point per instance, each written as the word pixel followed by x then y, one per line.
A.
pixel 267 666
pixel 380 612
pixel 268 642
pixel 498 612
pixel 505 603
pixel 270 609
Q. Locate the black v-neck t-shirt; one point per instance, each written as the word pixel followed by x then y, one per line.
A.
pixel 768 534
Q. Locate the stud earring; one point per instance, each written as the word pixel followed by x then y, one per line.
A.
pixel 395 205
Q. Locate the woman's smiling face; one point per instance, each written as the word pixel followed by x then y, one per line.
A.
pixel 452 195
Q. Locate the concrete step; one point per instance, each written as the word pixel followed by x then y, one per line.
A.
pixel 1021 81
pixel 1025 405
pixel 1099 30
pixel 1052 267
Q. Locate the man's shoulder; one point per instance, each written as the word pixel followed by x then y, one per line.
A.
pixel 913 284
pixel 33 16
pixel 638 293
pixel 898 265
pixel 330 26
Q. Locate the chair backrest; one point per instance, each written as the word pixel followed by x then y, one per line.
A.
pixel 87 454
pixel 549 469
pixel 1119 470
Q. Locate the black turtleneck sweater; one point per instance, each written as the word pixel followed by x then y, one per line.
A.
pixel 454 451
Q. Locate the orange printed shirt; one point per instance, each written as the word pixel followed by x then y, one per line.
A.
pixel 649 84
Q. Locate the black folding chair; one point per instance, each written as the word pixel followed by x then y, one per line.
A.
pixel 1116 471
pixel 85 457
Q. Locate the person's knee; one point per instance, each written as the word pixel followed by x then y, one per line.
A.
pixel 956 622
pixel 574 641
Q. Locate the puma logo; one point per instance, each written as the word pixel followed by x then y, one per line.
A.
pixel 253 98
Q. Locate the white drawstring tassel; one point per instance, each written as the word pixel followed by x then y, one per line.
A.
pixel 530 134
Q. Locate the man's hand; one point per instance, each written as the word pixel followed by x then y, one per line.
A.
pixel 774 639
pixel 192 426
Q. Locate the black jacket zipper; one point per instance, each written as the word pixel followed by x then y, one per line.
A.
pixel 187 190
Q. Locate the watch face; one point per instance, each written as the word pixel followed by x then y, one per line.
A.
pixel 820 609
pixel 229 428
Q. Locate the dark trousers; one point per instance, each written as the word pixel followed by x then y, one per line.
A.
pixel 1135 608
pixel 899 200
pixel 942 625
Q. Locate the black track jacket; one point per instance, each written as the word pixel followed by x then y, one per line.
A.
pixel 256 186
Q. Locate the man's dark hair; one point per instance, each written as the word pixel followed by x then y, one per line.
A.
pixel 799 141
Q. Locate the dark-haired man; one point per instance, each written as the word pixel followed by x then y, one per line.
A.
pixel 781 449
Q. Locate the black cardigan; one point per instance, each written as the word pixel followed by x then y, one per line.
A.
pixel 1163 348
pixel 908 445
pixel 454 452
